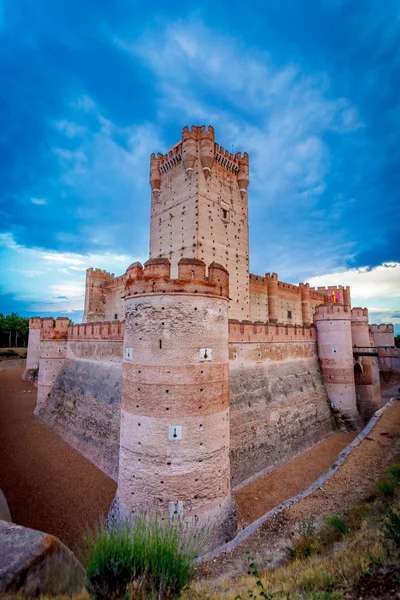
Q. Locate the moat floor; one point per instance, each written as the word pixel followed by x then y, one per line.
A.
pixel 260 496
pixel 48 485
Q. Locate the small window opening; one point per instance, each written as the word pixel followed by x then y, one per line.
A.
pixel 289 314
pixel 160 344
pixel 224 213
pixel 116 316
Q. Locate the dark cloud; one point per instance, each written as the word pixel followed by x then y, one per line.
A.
pixel 80 114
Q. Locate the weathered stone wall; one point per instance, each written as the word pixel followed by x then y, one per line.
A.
pixel 279 405
pixel 83 407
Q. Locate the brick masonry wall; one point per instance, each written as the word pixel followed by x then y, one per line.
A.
pixel 279 405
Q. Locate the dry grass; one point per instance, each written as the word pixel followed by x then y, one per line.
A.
pixel 319 573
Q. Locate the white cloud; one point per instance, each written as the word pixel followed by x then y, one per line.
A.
pixel 377 289
pixel 382 281
pixel 39 201
pixel 69 289
pixel 52 281
pixel 70 128
pixel 62 258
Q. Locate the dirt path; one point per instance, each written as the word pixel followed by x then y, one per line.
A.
pixel 258 497
pixel 351 482
pixel 48 485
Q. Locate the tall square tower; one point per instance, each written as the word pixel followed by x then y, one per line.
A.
pixel 199 209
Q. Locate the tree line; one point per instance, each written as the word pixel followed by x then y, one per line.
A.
pixel 14 331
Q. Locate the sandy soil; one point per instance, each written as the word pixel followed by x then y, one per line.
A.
pixel 48 485
pixel 257 498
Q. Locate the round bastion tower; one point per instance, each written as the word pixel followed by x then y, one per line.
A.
pixel 174 444
pixel 333 323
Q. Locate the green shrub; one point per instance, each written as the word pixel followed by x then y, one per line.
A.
pixel 9 352
pixel 386 486
pixel 336 527
pixel 150 558
pixel 391 525
pixel 394 471
pixel 107 555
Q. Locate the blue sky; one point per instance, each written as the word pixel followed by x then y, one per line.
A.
pixel 89 89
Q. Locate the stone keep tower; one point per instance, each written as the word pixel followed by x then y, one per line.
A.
pixel 174 444
pixel 335 352
pixel 199 209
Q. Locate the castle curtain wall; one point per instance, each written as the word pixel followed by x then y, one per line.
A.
pixel 279 406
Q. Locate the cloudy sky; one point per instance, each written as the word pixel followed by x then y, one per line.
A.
pixel 88 89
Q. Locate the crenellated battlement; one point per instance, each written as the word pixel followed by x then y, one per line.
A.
pixel 289 286
pixel 332 311
pixel 35 323
pixel 384 328
pixel 97 274
pixel 155 278
pixel 274 276
pixel 115 282
pixel 359 314
pixel 100 330
pixel 315 295
pixel 199 141
pixel 54 330
pixel 248 331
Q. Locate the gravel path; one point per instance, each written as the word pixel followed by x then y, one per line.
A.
pixel 48 485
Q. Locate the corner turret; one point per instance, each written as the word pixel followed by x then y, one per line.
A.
pixel 333 323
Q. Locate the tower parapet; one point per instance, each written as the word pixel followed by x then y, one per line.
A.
pixel 335 293
pixel 174 448
pixel 333 323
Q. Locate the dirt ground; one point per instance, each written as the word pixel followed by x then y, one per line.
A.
pixel 257 498
pixel 48 485
pixel 352 482
pixel 20 351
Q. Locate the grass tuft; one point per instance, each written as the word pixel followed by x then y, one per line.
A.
pixel 151 558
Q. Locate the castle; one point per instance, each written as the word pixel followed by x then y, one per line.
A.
pixel 190 376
